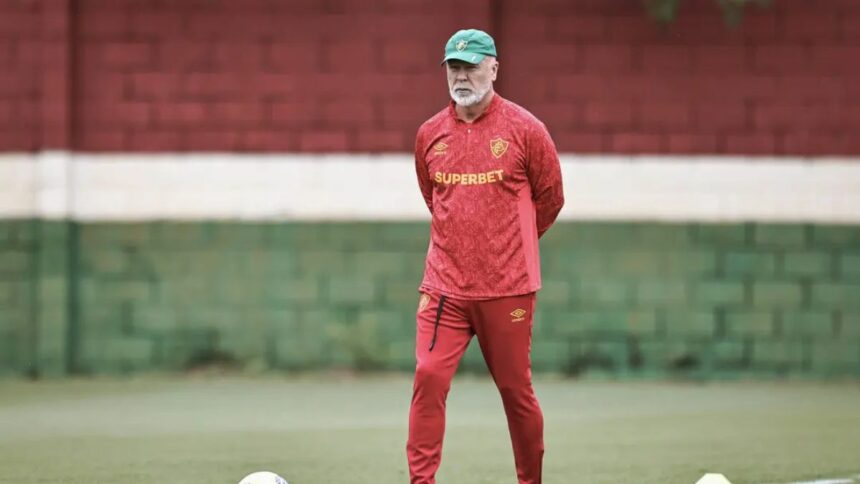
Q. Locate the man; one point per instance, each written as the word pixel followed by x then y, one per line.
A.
pixel 489 173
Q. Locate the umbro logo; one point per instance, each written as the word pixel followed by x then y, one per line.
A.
pixel 518 315
pixel 439 148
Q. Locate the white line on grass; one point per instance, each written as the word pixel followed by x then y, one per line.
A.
pixel 832 480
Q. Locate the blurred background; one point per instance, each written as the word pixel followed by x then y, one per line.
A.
pixel 210 182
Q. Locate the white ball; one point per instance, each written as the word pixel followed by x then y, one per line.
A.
pixel 263 477
pixel 713 479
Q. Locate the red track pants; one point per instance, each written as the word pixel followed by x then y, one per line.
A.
pixel 504 329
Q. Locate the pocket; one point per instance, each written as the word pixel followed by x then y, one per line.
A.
pixel 423 301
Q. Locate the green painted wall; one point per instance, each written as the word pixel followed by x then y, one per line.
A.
pixel 624 298
pixel 18 267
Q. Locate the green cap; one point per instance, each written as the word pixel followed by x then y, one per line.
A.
pixel 469 46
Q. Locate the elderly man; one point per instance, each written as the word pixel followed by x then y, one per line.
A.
pixel 489 173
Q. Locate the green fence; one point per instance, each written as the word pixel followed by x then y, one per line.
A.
pixel 622 298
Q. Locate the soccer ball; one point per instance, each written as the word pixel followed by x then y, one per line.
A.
pixel 263 477
pixel 713 479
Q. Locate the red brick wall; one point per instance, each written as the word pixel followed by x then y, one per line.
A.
pixel 20 59
pixel 360 75
pixel 786 82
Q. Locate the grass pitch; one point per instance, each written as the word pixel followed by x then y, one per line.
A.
pixel 329 430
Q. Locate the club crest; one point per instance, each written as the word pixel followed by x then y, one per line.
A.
pixel 498 147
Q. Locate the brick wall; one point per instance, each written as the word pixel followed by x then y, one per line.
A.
pixel 18 249
pixel 20 60
pixel 625 298
pixel 782 83
pixel 259 76
pixel 352 75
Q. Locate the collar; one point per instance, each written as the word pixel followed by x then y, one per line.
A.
pixel 494 104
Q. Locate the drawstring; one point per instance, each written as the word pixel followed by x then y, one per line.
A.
pixel 436 322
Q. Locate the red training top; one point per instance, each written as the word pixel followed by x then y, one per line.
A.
pixel 493 188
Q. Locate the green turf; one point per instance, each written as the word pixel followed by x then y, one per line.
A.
pixel 332 431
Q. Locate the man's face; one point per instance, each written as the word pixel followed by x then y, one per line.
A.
pixel 469 83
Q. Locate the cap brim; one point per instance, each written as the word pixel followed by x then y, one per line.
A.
pixel 469 57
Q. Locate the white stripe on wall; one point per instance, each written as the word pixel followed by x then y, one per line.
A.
pixel 18 186
pixel 367 187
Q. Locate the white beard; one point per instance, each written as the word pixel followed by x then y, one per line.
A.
pixel 469 99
